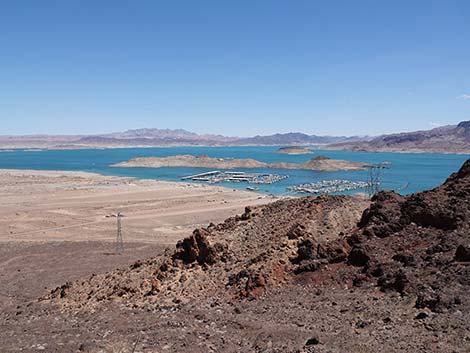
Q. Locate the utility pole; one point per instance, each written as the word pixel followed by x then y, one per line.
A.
pixel 119 242
pixel 374 179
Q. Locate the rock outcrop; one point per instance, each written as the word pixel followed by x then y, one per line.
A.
pixel 241 257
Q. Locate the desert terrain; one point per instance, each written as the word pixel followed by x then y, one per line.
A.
pixel 331 274
pixel 77 206
pixel 56 226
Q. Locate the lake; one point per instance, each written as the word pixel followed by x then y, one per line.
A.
pixel 418 171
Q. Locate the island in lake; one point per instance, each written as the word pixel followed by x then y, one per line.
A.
pixel 294 150
pixel 319 163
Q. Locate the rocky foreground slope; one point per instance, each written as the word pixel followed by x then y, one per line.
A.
pixel 240 258
pixel 397 281
pixel 300 275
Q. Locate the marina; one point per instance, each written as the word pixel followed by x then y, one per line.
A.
pixel 329 186
pixel 407 174
pixel 217 176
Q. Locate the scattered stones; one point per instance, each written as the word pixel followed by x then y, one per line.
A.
pixel 312 341
pixel 462 254
pixel 60 292
pixel 362 324
pixel 297 231
pixel 394 280
pixel 358 257
pixel 427 298
pixel 306 250
pixel 247 214
pixel 255 285
pixel 90 347
pixel 421 316
pixel 308 266
pixel 406 260
pixel 334 252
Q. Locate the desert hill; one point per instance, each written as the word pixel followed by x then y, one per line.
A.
pixel 447 139
pixel 161 137
pixel 320 273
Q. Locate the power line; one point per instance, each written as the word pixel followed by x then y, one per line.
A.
pixel 119 242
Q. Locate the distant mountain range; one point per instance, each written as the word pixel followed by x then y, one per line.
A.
pixel 164 137
pixel 446 139
pixel 183 136
pixel 166 134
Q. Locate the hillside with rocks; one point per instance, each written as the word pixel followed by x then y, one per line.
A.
pixel 239 258
pixel 327 274
pixel 446 139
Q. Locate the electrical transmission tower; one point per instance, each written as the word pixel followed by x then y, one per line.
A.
pixel 119 242
pixel 373 179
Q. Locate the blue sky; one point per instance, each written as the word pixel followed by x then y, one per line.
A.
pixel 239 67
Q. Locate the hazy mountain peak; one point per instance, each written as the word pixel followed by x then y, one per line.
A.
pixel 446 139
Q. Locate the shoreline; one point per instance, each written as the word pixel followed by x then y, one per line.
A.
pixel 95 175
pixel 44 205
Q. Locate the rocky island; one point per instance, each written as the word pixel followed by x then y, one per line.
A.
pixel 319 163
pixel 294 150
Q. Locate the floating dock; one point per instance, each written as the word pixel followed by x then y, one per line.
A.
pixel 217 176
pixel 201 175
pixel 329 186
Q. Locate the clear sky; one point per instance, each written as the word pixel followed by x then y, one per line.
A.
pixel 236 67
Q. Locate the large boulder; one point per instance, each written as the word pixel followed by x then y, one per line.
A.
pixel 383 217
pixel 198 247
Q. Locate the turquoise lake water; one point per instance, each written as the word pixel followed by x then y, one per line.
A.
pixel 421 171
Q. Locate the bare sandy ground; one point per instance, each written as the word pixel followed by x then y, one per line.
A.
pixel 78 206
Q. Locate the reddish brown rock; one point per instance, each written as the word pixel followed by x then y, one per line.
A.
pixel 462 253
pixel 198 248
